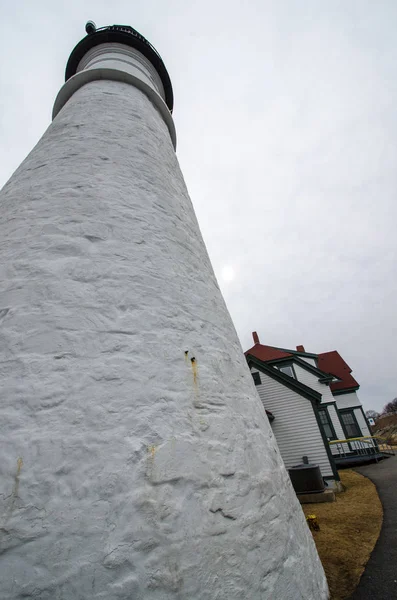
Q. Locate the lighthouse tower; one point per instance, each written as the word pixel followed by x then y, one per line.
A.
pixel 137 461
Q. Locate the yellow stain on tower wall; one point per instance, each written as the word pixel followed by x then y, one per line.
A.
pixel 194 369
pixel 152 451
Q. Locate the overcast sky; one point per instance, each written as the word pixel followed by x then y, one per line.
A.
pixel 286 119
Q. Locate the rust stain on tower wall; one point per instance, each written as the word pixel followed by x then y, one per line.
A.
pixel 152 451
pixel 15 488
pixel 150 463
pixel 194 369
pixel 14 492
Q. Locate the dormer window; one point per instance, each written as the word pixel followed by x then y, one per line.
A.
pixel 286 369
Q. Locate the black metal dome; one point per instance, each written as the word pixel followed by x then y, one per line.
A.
pixel 122 34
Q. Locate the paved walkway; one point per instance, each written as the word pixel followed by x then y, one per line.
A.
pixel 379 581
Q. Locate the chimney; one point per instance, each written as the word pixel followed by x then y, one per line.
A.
pixel 300 348
pixel 255 336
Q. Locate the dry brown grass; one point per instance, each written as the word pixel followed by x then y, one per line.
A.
pixel 348 532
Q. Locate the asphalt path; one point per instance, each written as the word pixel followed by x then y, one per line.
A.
pixel 379 580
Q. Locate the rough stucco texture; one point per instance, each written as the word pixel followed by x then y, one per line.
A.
pixel 127 470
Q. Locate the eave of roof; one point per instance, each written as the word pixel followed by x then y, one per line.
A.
pixel 266 353
pixel 271 355
pixel 288 381
pixel 298 352
pixel 344 390
pixel 322 376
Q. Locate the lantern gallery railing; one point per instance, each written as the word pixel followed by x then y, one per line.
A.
pixel 126 29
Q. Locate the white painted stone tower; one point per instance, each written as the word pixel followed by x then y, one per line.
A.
pixel 137 462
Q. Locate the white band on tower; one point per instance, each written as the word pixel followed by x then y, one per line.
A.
pixel 118 62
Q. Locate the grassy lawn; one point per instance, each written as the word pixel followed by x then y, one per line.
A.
pixel 349 529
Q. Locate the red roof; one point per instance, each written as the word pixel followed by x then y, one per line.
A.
pixel 332 362
pixel 265 353
pixel 328 362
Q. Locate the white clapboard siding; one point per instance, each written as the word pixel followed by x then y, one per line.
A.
pixel 295 425
pixel 335 421
pixel 361 422
pixel 311 380
pixel 311 361
pixel 347 400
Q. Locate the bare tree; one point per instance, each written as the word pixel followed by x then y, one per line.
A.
pixel 372 414
pixel 390 408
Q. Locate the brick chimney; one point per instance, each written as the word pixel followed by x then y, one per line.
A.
pixel 300 348
pixel 255 336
